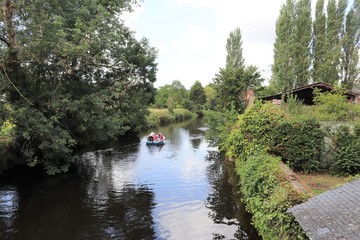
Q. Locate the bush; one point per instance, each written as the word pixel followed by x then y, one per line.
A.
pixel 300 144
pixel 219 124
pixel 333 106
pixel 346 151
pixel 158 117
pixel 253 131
pixel 268 196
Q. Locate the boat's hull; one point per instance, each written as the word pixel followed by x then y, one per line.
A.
pixel 155 143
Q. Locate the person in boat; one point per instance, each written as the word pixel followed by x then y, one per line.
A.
pixel 151 136
pixel 161 137
pixel 155 137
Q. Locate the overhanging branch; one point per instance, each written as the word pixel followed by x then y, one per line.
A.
pixel 4 40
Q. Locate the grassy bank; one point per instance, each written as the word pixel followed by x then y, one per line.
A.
pixel 158 117
pixel 317 142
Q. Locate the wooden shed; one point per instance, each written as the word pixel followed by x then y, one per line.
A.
pixel 306 95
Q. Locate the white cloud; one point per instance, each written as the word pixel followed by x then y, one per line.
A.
pixel 130 17
pixel 195 39
pixel 199 51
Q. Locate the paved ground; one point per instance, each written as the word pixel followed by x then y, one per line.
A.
pixel 334 214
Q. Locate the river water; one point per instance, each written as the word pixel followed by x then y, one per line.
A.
pixel 182 190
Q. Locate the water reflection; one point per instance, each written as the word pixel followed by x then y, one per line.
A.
pixel 9 201
pixel 224 199
pixel 181 190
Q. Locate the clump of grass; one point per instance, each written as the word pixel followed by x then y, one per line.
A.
pixel 158 117
pixel 319 183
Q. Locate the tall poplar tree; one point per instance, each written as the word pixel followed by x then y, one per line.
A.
pixel 234 57
pixel 335 18
pixel 319 43
pixel 232 81
pixel 283 67
pixel 350 43
pixel 302 42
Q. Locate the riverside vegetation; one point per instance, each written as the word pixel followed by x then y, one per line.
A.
pixel 324 138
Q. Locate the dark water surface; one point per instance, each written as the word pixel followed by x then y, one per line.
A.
pixel 181 190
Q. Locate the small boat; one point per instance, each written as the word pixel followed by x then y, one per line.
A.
pixel 152 139
pixel 155 143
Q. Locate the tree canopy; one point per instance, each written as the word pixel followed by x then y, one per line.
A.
pixel 326 52
pixel 73 74
pixel 232 82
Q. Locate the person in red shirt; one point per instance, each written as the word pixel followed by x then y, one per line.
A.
pixel 155 137
pixel 161 137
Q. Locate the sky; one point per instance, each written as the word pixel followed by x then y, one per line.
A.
pixel 191 35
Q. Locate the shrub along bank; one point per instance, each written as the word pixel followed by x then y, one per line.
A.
pixel 264 136
pixel 159 117
pixel 266 191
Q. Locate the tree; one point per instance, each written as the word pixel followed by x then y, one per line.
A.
pixel 283 67
pixel 210 94
pixel 335 17
pixel 197 95
pixel 350 42
pixel 234 57
pixel 73 74
pixel 319 43
pixel 302 42
pixel 171 95
pixel 232 82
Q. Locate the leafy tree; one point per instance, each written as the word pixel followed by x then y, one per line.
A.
pixel 327 48
pixel 197 95
pixel 234 57
pixel 335 16
pixel 319 43
pixel 210 94
pixel 73 74
pixel 292 57
pixel 350 42
pixel 232 82
pixel 302 42
pixel 171 95
pixel 283 67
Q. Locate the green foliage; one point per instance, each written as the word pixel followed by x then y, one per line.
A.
pixel 302 42
pixel 294 106
pixel 219 124
pixel 73 74
pixel 333 106
pixel 234 57
pixel 210 94
pixel 231 85
pixel 326 48
pixel 345 152
pixel 268 196
pixel 349 42
pixel 299 144
pixel 170 95
pixel 253 132
pixel 197 96
pixel 7 129
pixel 160 117
pixel 283 67
pixel 232 82
pixel 319 46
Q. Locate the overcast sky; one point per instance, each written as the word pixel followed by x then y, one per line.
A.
pixel 190 35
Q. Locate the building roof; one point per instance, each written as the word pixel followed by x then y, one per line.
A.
pixel 334 214
pixel 305 93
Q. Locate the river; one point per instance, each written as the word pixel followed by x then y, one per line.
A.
pixel 182 190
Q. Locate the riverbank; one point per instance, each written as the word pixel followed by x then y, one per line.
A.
pixel 181 190
pixel 156 118
pixel 266 137
pixel 159 117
